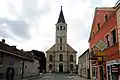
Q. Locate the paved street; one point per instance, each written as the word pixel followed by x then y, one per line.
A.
pixel 57 77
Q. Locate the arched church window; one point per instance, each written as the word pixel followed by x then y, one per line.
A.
pixel 60 40
pixel 71 67
pixel 50 66
pixel 61 57
pixel 60 47
pixel 61 27
pixel 71 57
pixel 64 28
pixel 50 58
pixel 58 28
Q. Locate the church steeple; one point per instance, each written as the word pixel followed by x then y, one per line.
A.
pixel 61 17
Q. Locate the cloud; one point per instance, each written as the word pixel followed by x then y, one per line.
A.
pixel 15 28
pixel 34 21
pixel 31 10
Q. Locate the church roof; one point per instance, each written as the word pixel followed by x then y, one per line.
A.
pixel 70 49
pixel 61 17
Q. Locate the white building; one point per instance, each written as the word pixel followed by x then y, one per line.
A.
pixel 61 57
pixel 83 64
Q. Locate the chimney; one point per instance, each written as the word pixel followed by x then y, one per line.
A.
pixel 3 40
pixel 13 47
pixel 22 50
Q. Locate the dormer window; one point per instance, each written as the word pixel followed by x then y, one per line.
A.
pixel 98 26
pixel 106 17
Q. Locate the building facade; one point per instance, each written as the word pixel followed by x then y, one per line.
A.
pixel 61 57
pixel 15 63
pixel 83 64
pixel 104 44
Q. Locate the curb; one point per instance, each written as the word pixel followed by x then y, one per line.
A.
pixel 31 78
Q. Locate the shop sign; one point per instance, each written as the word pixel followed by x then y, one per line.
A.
pixel 114 69
pixel 117 61
pixel 101 45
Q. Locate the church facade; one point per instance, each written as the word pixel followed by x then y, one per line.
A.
pixel 61 57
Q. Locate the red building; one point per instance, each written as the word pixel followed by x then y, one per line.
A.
pixel 105 63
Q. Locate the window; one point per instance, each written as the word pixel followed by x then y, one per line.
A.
pixel 58 28
pixel 106 17
pixel 50 66
pixel 60 47
pixel 84 71
pixel 92 33
pixel 88 56
pixel 61 57
pixel 98 26
pixel 71 67
pixel 61 27
pixel 25 66
pixel 64 28
pixel 50 58
pixel 60 40
pixel 114 36
pixel 11 60
pixel 71 57
pixel 107 40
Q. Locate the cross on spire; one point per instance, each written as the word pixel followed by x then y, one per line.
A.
pixel 61 17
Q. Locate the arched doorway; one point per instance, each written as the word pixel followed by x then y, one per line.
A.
pixel 50 67
pixel 60 67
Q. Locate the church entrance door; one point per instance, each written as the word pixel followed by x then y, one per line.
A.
pixel 60 67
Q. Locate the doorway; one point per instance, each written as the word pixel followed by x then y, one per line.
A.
pixel 10 73
pixel 60 67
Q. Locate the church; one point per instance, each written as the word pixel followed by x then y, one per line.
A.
pixel 61 57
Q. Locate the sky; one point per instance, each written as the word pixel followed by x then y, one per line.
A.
pixel 30 24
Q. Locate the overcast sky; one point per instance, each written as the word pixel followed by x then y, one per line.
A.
pixel 30 24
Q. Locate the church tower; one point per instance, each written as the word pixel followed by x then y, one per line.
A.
pixel 61 33
pixel 61 57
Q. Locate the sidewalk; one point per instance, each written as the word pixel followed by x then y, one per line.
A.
pixel 79 78
pixel 31 78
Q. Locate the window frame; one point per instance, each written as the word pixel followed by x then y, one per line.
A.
pixel 106 18
pixel 61 57
pixel 113 36
pixel 98 26
pixel 50 57
pixel 71 59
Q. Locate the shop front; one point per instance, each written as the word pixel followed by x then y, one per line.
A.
pixel 113 69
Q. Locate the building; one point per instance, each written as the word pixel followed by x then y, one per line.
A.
pixel 16 62
pixel 83 64
pixel 39 55
pixel 30 68
pixel 61 57
pixel 104 43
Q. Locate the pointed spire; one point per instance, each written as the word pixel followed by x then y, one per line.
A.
pixel 61 17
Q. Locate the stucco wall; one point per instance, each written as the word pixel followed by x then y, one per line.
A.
pixel 66 61
pixel 83 63
pixel 28 71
